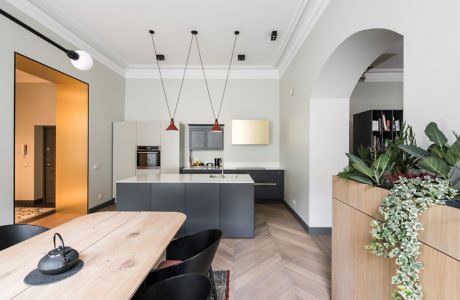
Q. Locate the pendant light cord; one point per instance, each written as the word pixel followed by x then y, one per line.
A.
pixel 161 76
pixel 183 76
pixel 171 116
pixel 228 73
pixel 204 75
pixel 226 79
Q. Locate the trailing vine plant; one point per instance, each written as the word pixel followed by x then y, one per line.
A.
pixel 396 236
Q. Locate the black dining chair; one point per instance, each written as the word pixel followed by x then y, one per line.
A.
pixel 189 254
pixel 181 287
pixel 12 234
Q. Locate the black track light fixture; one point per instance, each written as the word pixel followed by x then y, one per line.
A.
pixel 79 58
pixel 274 35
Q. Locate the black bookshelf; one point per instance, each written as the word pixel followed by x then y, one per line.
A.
pixel 373 128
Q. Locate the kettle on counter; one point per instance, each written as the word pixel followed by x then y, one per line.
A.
pixel 58 260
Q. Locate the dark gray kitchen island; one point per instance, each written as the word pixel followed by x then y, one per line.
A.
pixel 209 201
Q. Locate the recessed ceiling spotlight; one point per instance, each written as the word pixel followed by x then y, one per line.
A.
pixel 274 35
pixel 241 57
pixel 160 57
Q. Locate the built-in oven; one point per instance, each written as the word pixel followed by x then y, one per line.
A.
pixel 148 157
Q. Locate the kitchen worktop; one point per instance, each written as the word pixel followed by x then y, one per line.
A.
pixel 188 178
pixel 204 168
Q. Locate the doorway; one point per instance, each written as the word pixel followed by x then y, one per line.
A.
pixel 51 144
pixel 49 174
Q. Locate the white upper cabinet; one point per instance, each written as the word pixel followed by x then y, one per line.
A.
pixel 170 148
pixel 148 133
pixel 124 151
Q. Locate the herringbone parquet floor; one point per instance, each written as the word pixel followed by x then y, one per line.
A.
pixel 281 262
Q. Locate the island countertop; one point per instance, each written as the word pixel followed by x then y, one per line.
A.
pixel 188 178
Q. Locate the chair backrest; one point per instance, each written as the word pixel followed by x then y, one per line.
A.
pixel 196 250
pixel 12 234
pixel 182 287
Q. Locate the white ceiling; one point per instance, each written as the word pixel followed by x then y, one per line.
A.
pixel 119 28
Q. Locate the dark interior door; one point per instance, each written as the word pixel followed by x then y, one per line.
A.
pixel 50 164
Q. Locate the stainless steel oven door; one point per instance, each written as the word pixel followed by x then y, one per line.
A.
pixel 148 159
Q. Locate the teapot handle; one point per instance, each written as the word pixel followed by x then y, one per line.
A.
pixel 61 240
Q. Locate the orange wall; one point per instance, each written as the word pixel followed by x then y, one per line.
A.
pixel 72 148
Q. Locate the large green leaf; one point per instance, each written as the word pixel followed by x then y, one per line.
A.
pixel 362 168
pixel 381 163
pixel 453 154
pixel 435 165
pixel 414 150
pixel 435 135
pixel 354 159
pixel 361 179
pixel 437 151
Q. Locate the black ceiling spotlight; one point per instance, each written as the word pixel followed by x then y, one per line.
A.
pixel 79 58
pixel 160 57
pixel 274 35
pixel 241 57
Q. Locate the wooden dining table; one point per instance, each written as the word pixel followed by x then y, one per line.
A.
pixel 118 249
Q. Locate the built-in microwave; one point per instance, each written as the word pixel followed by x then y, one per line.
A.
pixel 148 157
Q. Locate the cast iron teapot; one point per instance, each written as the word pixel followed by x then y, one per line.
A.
pixel 58 260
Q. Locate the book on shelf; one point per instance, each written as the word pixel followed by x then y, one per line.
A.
pixel 376 125
pixel 397 125
pixel 384 123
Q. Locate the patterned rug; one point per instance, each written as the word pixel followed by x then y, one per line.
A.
pixel 222 281
pixel 28 214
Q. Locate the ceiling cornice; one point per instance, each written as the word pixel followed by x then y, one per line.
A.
pixel 308 18
pixel 307 15
pixel 292 27
pixel 195 72
pixel 384 75
pixel 66 33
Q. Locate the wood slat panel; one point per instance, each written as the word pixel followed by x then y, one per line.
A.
pixel 355 205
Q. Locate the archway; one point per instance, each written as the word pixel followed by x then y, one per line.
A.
pixel 329 114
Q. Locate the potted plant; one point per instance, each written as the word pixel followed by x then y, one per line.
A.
pixel 441 159
pixel 417 179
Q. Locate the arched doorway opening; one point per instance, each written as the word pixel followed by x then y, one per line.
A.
pixel 330 114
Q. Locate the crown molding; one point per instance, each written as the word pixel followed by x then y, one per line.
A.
pixel 292 26
pixel 195 72
pixel 308 18
pixel 68 34
pixel 384 75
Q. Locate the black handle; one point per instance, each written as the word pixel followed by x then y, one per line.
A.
pixel 61 240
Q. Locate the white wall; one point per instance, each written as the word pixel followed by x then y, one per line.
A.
pixel 31 98
pixel 107 90
pixel 330 140
pixel 374 95
pixel 244 99
pixel 431 91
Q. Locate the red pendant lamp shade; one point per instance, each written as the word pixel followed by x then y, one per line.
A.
pixel 216 127
pixel 172 126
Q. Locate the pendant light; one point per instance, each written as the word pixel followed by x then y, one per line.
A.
pixel 79 58
pixel 216 127
pixel 172 126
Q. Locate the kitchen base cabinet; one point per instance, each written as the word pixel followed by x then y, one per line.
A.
pixel 237 210
pixel 225 206
pixel 202 206
pixel 268 184
pixel 168 197
pixel 133 196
